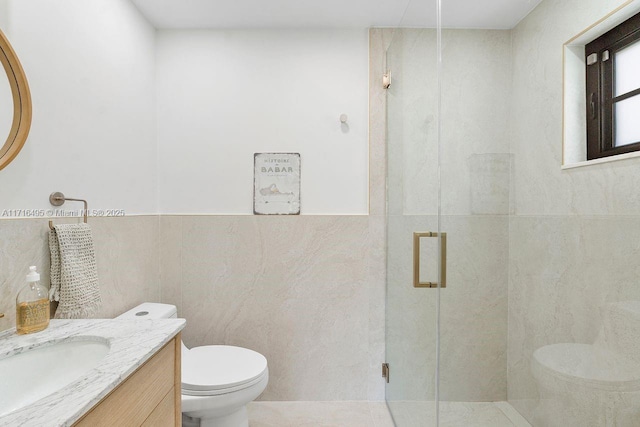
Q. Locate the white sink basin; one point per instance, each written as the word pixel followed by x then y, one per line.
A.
pixel 35 373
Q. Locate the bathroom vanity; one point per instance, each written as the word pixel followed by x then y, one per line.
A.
pixel 92 373
pixel 149 397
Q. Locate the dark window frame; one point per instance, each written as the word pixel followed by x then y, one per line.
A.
pixel 600 78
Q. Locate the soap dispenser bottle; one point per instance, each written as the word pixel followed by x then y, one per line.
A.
pixel 32 305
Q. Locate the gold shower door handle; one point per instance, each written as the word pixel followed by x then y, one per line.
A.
pixel 416 260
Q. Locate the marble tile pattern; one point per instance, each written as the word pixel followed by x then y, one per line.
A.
pixel 127 252
pixel 474 147
pixel 490 183
pixel 563 270
pixel 305 291
pixel 455 414
pixel 379 41
pixel 136 263
pixel 412 149
pixel 23 242
pixel 476 167
pixel 542 188
pixel 132 342
pixel 376 287
pixel 473 311
pixel 574 237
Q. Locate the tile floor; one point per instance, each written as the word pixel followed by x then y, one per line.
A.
pixel 319 414
pixel 457 414
pixel 375 414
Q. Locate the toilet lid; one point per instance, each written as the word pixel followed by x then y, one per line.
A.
pixel 216 367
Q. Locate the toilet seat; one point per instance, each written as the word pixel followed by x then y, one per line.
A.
pixel 587 365
pixel 219 369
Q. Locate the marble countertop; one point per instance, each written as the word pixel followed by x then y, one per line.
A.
pixel 132 342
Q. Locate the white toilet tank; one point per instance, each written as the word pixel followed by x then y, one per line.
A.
pixel 151 310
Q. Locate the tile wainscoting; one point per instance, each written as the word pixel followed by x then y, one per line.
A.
pixel 127 257
pixel 305 291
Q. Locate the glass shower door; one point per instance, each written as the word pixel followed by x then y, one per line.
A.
pixel 448 167
pixel 446 347
pixel 475 205
pixel 414 239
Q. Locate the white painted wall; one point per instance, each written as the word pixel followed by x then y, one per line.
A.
pixel 221 96
pixel 91 68
pixel 225 95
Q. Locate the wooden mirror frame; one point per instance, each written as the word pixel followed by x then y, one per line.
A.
pixel 21 103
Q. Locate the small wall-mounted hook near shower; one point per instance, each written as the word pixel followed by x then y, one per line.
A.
pixel 386 80
pixel 344 123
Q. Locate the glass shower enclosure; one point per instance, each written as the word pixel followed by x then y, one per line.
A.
pixel 448 204
pixel 513 296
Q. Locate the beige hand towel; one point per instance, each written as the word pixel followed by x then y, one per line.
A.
pixel 74 275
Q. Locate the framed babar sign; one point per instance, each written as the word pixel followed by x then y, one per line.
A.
pixel 276 184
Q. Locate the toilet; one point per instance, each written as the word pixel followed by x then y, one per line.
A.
pixel 218 381
pixel 593 384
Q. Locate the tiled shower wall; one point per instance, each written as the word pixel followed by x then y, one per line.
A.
pixel 570 237
pixel 574 237
pixel 474 154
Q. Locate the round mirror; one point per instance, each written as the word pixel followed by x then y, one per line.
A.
pixel 15 104
pixel 6 106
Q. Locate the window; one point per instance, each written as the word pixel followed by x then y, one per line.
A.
pixel 613 91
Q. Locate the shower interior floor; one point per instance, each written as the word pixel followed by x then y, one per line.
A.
pixel 457 414
pixel 376 414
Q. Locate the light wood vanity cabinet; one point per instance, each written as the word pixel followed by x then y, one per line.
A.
pixel 148 397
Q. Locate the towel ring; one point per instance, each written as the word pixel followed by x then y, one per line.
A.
pixel 58 199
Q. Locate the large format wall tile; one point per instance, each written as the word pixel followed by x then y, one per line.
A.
pixel 127 251
pixel 297 289
pixel 571 248
pixel 474 147
pixel 308 292
pixel 127 259
pixel 376 285
pixel 475 182
pixel 562 271
pixel 541 187
pixel 473 311
pixel 379 40
pixel 23 242
pixel 171 260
